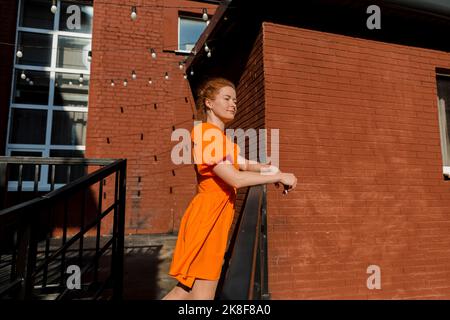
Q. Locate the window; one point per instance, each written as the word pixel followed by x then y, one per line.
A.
pixel 50 85
pixel 443 92
pixel 189 30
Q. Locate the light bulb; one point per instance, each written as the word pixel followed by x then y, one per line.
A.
pixel 89 56
pixel 166 76
pixel 81 84
pixel 192 72
pixel 81 78
pixel 133 75
pixel 56 84
pixel 70 83
pixel 185 76
pixel 181 65
pixel 209 54
pixel 205 14
pixel 206 48
pixel 23 76
pixel 207 22
pixel 133 13
pixel 112 83
pixel 31 82
pixel 27 79
pixel 153 53
pixel 150 81
pixel 19 53
pixel 53 8
pixel 125 82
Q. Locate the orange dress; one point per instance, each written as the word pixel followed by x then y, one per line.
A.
pixel 204 228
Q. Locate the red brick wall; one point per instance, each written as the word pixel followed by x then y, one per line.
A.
pixel 250 106
pixel 8 16
pixel 359 127
pixel 120 45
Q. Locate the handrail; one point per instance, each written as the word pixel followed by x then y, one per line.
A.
pixel 245 275
pixel 24 218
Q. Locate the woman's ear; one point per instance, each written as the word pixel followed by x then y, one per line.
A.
pixel 208 103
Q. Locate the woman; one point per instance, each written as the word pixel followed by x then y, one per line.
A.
pixel 203 233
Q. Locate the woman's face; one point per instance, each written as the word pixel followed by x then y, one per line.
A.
pixel 224 104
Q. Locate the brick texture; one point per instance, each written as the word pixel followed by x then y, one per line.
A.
pixel 359 128
pixel 120 45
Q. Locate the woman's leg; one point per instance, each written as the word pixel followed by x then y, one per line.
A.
pixel 179 292
pixel 203 289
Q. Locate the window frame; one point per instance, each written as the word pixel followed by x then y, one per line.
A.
pixel 189 17
pixel 50 107
pixel 443 130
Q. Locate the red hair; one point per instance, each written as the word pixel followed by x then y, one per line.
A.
pixel 208 90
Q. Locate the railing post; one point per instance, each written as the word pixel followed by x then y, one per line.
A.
pixel 3 184
pixel 265 295
pixel 26 255
pixel 119 248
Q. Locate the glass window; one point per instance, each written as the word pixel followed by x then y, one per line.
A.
pixel 36 14
pixel 69 128
pixel 443 91
pixel 73 53
pixel 71 90
pixel 28 126
pixel 61 171
pixel 27 169
pixel 33 89
pixel 36 49
pixel 76 17
pixel 190 31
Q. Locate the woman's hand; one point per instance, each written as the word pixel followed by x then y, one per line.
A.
pixel 289 181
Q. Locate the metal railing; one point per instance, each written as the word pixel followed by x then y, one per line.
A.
pixel 25 271
pixel 245 270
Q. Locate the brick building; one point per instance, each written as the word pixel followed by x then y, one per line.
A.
pixel 78 105
pixel 361 113
pixel 362 121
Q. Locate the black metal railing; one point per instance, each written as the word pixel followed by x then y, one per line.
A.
pixel 245 271
pixel 32 262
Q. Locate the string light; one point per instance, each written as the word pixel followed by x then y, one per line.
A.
pixel 133 13
pixel 133 75
pixel 23 75
pixel 152 51
pixel 19 53
pixel 53 7
pixel 205 14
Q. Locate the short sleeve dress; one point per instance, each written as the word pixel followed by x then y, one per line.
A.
pixel 204 228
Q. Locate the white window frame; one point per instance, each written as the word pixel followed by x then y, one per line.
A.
pixel 45 148
pixel 179 31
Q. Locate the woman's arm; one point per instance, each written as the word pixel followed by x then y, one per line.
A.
pixel 239 179
pixel 251 165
